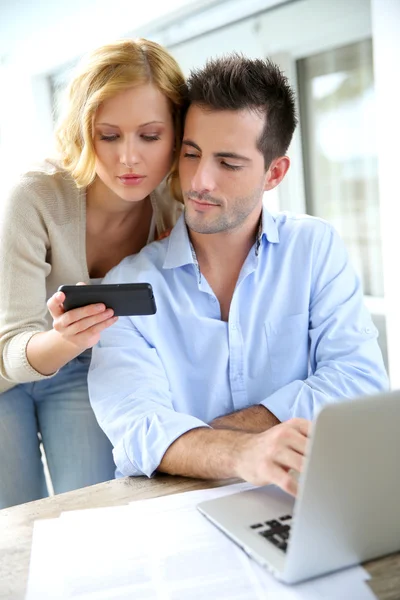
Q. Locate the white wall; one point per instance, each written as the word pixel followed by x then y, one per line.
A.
pixel 38 38
pixel 41 36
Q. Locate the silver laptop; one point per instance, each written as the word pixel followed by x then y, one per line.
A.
pixel 347 509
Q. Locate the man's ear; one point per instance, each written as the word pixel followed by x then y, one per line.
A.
pixel 276 172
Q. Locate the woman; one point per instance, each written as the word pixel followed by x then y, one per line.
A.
pixel 72 221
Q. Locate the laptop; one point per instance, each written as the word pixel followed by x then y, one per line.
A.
pixel 347 507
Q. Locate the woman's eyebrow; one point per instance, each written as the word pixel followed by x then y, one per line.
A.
pixel 117 126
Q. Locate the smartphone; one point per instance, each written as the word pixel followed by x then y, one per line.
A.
pixel 126 299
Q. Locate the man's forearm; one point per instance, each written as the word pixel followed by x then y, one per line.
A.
pixel 254 419
pixel 204 453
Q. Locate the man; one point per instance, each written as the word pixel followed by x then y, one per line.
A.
pixel 260 318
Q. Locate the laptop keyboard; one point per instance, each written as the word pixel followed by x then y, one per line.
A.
pixel 275 531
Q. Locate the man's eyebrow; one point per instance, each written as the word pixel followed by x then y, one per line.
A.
pixel 218 154
pixel 232 155
pixel 117 127
pixel 191 144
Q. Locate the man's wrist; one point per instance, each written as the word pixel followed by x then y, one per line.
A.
pixel 240 440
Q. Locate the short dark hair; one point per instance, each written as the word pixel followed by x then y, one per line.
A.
pixel 234 82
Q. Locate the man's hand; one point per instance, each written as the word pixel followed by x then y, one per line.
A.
pixel 260 458
pixel 269 457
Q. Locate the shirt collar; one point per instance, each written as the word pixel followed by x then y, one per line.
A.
pixel 268 227
pixel 180 251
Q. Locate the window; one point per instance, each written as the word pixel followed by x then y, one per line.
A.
pixel 337 112
pixel 336 90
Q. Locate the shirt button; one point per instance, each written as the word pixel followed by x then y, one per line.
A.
pixel 233 327
pixel 213 299
pixel 367 330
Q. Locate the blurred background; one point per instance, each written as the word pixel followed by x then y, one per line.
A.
pixel 341 56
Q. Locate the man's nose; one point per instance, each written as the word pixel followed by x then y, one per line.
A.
pixel 203 179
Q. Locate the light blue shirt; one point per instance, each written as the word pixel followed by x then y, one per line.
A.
pixel 298 336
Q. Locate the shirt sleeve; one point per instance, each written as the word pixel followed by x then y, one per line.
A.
pixel 23 271
pixel 130 395
pixel 345 358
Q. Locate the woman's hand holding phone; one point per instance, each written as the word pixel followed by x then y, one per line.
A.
pixel 81 327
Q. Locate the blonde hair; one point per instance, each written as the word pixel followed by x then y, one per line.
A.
pixel 111 69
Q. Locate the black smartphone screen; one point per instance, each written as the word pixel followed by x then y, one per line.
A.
pixel 126 299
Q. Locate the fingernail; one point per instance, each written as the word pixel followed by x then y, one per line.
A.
pixel 99 306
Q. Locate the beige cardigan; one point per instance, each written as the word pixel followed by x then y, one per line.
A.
pixel 42 246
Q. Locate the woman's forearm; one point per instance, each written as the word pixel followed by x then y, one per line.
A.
pixel 48 351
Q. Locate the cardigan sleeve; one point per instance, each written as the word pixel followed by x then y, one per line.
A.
pixel 24 266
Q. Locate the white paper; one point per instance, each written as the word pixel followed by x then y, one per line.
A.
pixel 160 549
pixel 133 554
pixel 188 499
pixel 45 580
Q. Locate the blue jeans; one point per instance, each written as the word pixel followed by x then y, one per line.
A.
pixel 78 452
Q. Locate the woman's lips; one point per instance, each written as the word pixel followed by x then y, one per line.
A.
pixel 131 179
